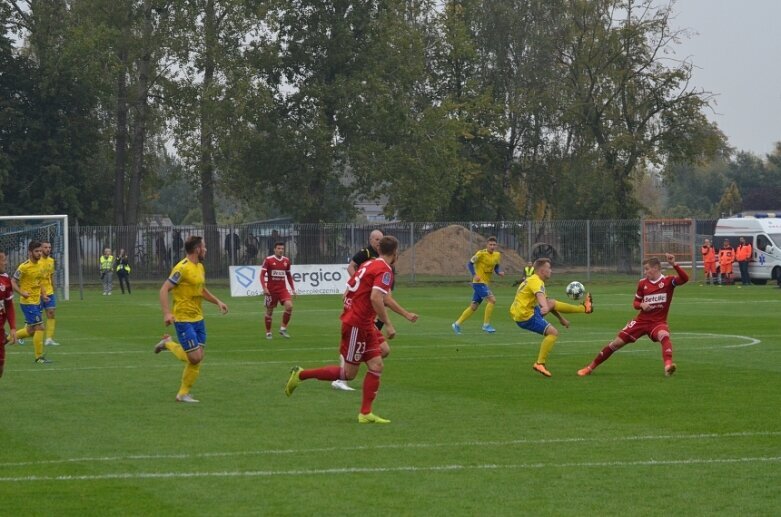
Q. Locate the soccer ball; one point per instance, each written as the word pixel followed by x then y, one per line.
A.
pixel 575 290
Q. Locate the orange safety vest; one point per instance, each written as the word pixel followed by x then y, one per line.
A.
pixel 744 252
pixel 708 254
pixel 726 255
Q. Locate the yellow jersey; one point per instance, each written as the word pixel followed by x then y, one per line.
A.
pixel 526 298
pixel 29 275
pixel 189 280
pixel 485 263
pixel 47 284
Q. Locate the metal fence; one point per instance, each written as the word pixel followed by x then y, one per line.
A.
pixel 430 251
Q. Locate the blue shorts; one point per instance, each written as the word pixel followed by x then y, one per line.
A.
pixel 481 291
pixel 32 313
pixel 536 323
pixel 191 335
pixel 51 304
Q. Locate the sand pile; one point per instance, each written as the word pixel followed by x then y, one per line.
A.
pixel 447 250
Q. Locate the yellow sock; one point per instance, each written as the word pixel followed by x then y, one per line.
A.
pixel 189 376
pixel 38 343
pixel 546 346
pixel 22 333
pixel 568 307
pixel 176 349
pixel 50 325
pixel 465 315
pixel 489 309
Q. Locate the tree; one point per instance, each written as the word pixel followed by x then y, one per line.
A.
pixel 731 202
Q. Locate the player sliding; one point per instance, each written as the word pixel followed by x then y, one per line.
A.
pixel 362 342
pixel 531 305
pixel 653 298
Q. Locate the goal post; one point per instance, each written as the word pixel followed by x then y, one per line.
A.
pixel 16 232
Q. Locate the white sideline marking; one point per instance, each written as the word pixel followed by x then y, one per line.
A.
pixel 382 470
pixel 502 443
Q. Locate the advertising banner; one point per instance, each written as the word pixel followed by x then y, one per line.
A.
pixel 309 279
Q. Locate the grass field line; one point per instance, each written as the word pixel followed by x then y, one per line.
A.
pixel 399 446
pixel 403 468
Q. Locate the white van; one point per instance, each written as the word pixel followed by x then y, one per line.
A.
pixel 763 232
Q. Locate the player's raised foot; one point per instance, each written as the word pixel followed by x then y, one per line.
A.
pixel 540 368
pixel 669 370
pixel 488 328
pixel 585 371
pixel 589 304
pixel 283 333
pixel 268 335
pixel 371 418
pixel 339 384
pixel 456 328
pixel 294 380
pixel 187 398
pixel 51 342
pixel 160 346
pixel 41 360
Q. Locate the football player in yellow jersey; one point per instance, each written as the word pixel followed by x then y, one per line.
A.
pixel 482 265
pixel 187 281
pixel 27 282
pixel 47 263
pixel 531 305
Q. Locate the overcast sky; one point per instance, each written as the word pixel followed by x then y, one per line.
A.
pixel 737 52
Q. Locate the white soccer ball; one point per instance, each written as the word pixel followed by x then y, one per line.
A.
pixel 575 290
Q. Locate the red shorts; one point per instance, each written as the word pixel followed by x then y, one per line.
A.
pixel 360 345
pixel 710 267
pixel 276 298
pixel 634 330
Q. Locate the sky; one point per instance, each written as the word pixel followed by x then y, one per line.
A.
pixel 736 50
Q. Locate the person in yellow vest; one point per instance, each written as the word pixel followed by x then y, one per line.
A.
pixel 123 271
pixel 107 271
pixel 528 271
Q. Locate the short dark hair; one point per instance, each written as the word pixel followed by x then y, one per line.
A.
pixel 33 245
pixel 540 261
pixel 491 239
pixel 192 243
pixel 279 243
pixel 388 245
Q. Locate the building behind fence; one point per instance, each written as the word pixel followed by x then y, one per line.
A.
pixel 430 251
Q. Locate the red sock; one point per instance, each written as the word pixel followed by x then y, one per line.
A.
pixel 267 320
pixel 326 373
pixel 667 350
pixel 371 383
pixel 603 356
pixel 286 318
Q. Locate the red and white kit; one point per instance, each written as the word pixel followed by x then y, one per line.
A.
pixel 360 338
pixel 6 311
pixel 273 274
pixel 659 295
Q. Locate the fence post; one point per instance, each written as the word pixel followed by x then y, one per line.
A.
pixel 588 250
pixel 412 243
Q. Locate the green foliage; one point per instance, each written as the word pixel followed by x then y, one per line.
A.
pixel 731 202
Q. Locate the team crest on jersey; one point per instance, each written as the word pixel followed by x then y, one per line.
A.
pixel 386 278
pixel 661 284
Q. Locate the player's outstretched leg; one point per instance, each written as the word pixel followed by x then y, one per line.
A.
pixel 294 380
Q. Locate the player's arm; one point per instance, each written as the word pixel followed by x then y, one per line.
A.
pixel 682 277
pixel 263 273
pixel 393 305
pixel 168 317
pixel 498 270
pixel 10 316
pixel 543 302
pixel 15 285
pixel 471 266
pixel 289 276
pixel 378 303
pixel 209 297
pixel 358 259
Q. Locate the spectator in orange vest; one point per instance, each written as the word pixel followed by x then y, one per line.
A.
pixel 743 256
pixel 708 261
pixel 726 258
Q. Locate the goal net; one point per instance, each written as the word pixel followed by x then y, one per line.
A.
pixel 16 232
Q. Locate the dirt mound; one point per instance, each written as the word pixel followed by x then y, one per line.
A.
pixel 446 252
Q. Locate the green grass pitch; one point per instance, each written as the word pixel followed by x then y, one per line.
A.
pixel 474 430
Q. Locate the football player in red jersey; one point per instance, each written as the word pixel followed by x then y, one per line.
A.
pixel 367 293
pixel 653 298
pixel 273 273
pixel 6 309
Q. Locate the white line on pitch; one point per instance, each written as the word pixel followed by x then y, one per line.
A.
pixel 384 470
pixel 401 446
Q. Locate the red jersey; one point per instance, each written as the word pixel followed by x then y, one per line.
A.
pixel 273 273
pixel 6 305
pixel 358 309
pixel 659 294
